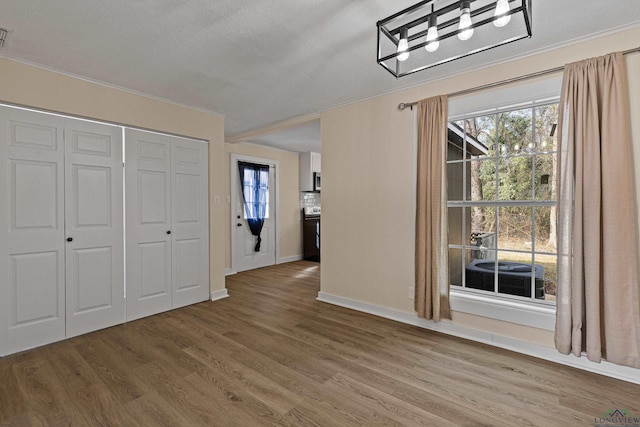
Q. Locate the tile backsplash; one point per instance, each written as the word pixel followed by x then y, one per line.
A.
pixel 309 199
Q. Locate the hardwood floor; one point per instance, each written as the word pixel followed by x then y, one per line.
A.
pixel 272 355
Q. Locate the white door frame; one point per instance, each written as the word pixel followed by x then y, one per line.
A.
pixel 233 176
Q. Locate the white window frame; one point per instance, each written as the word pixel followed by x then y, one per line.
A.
pixel 531 313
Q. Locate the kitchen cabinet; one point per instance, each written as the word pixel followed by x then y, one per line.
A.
pixel 311 236
pixel 310 163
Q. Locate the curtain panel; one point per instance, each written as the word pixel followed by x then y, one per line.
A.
pixel 598 309
pixel 254 179
pixel 432 246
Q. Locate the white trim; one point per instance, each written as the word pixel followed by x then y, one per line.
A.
pixel 216 295
pixel 96 120
pixel 536 350
pixel 288 259
pixel 542 316
pixel 233 168
pixel 229 272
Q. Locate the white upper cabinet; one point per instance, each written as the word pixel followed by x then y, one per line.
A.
pixel 310 163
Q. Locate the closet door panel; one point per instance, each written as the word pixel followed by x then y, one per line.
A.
pixel 190 222
pixel 94 224
pixel 148 219
pixel 31 230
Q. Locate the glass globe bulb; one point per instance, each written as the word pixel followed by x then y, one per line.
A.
pixel 465 24
pixel 432 43
pixel 502 7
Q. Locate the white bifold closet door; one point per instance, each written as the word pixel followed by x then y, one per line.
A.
pixel 51 288
pixel 167 248
pixel 94 226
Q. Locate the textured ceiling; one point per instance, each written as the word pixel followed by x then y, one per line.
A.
pixel 301 138
pixel 257 62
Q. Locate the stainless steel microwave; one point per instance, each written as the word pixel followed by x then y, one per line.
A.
pixel 316 181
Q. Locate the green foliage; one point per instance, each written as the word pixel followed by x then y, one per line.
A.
pixel 517 142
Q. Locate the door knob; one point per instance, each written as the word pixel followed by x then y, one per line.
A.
pixel 168 231
pixel 69 239
pixel 238 217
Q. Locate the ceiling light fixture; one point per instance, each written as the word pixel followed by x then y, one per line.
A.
pixel 402 35
pixel 3 36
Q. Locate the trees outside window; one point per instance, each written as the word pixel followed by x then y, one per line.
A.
pixel 502 202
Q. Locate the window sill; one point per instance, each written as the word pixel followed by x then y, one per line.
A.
pixel 535 315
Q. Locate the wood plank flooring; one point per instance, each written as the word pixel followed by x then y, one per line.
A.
pixel 272 355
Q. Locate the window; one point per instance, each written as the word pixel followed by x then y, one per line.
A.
pixel 255 190
pixel 502 203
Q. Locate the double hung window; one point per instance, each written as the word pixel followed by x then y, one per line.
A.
pixel 501 174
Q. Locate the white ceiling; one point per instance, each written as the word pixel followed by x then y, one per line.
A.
pixel 302 137
pixel 257 62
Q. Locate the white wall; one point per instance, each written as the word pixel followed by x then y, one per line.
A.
pixel 368 198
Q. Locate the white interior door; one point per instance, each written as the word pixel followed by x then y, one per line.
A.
pixel 148 223
pixel 190 224
pixel 94 233
pixel 167 222
pixel 246 257
pixel 32 283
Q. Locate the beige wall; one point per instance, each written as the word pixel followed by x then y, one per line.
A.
pixel 368 185
pixel 43 89
pixel 289 227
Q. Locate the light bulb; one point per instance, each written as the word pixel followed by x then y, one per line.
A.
pixel 502 7
pixel 403 45
pixel 432 43
pixel 432 33
pixel 465 21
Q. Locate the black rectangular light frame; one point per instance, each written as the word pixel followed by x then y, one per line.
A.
pixel 414 19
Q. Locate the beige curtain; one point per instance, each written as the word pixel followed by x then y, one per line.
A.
pixel 598 310
pixel 432 265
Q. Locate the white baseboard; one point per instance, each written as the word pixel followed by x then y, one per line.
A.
pixel 216 295
pixel 229 272
pixel 605 368
pixel 289 259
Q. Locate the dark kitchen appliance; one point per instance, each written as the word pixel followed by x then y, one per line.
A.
pixel 316 181
pixel 311 233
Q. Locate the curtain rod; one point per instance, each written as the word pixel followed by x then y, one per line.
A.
pixel 403 105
